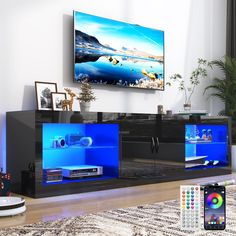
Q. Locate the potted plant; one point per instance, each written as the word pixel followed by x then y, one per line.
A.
pixel 224 88
pixel 85 96
pixel 188 87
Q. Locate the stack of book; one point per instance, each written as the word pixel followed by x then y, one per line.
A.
pixel 52 175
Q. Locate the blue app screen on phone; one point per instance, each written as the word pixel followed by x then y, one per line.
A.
pixel 214 207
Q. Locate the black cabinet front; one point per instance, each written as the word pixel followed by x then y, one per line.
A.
pixel 123 149
pixel 150 148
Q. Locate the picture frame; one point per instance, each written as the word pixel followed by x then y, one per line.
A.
pixel 57 99
pixel 43 92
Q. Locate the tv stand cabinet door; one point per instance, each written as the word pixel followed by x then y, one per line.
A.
pixel 171 151
pixel 138 156
pixel 171 160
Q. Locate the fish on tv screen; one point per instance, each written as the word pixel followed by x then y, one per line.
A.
pixel 116 53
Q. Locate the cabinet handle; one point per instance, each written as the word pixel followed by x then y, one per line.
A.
pixel 153 144
pixel 157 146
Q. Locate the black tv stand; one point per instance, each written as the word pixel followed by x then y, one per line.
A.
pixel 145 149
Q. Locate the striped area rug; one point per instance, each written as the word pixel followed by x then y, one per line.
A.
pixel 154 219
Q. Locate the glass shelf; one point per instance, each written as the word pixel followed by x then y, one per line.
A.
pixel 194 158
pixel 201 166
pixel 75 180
pixel 193 113
pixel 202 142
pixel 81 147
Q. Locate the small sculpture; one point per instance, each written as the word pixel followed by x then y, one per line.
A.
pixel 204 134
pixel 209 134
pixel 68 102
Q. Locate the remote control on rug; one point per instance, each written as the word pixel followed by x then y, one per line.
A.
pixel 190 207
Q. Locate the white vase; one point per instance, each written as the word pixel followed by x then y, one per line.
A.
pixel 187 106
pixel 84 106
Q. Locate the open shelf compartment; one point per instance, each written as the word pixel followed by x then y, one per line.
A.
pixel 206 146
pixel 79 152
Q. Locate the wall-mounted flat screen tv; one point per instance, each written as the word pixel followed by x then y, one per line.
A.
pixel 116 53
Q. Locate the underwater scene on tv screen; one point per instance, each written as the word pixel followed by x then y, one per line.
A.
pixel 117 53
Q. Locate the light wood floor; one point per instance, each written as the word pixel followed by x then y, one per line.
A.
pixel 45 209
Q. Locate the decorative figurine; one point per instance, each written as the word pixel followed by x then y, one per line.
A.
pixel 160 109
pixel 68 102
pixel 197 137
pixel 209 134
pixel 204 135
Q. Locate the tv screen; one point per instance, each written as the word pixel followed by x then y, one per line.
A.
pixel 116 53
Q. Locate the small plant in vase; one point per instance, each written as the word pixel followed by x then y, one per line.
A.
pixel 86 96
pixel 188 87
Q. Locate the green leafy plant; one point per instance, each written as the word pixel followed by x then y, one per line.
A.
pixel 86 94
pixel 188 87
pixel 224 88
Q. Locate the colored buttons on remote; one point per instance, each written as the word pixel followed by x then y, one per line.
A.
pixel 190 207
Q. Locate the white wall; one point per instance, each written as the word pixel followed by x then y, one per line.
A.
pixel 36 45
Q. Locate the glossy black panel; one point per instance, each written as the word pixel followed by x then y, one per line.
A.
pixel 152 149
pixel 20 140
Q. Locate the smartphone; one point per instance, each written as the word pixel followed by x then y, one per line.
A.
pixel 214 207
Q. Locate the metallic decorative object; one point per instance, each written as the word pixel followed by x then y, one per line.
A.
pixel 68 102
pixel 169 113
pixel 160 109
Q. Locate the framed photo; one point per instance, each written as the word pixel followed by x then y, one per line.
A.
pixel 43 92
pixel 57 99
